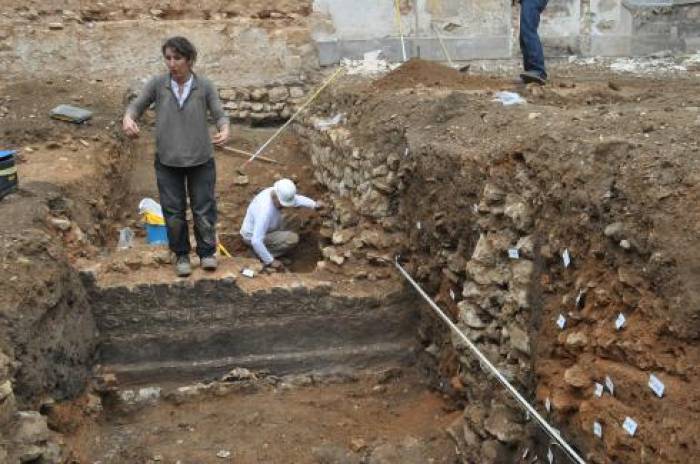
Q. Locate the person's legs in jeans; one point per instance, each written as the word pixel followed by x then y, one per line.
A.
pixel 530 44
pixel 201 181
pixel 173 200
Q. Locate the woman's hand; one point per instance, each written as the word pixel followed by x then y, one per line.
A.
pixel 221 137
pixel 130 127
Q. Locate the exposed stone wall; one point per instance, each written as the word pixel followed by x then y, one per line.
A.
pixel 496 313
pixel 262 105
pixel 364 227
pixel 380 188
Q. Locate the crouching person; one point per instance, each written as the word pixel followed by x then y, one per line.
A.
pixel 263 227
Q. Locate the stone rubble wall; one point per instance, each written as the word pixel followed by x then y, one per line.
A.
pixel 262 105
pixel 496 315
pixel 494 310
pixel 362 182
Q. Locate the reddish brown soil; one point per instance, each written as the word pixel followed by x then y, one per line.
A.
pixel 421 73
pixel 272 426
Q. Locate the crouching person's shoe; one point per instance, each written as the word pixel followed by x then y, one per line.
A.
pixel 182 266
pixel 209 263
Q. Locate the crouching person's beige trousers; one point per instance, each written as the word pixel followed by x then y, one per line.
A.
pixel 279 242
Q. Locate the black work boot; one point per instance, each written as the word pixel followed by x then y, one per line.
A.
pixel 530 77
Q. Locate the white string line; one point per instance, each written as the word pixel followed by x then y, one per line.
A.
pixel 553 433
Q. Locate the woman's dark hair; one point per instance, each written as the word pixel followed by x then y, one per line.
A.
pixel 183 46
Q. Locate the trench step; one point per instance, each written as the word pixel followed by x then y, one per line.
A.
pixel 170 329
pixel 330 359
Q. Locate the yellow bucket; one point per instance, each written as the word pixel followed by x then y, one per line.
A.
pixel 153 219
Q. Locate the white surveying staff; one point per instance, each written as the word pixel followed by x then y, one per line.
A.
pixel 490 368
pixel 398 21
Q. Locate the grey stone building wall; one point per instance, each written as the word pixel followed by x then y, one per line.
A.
pixel 487 29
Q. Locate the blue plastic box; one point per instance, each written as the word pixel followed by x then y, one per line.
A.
pixel 8 172
pixel 156 234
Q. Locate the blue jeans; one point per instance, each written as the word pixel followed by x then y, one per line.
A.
pixel 530 45
pixel 174 186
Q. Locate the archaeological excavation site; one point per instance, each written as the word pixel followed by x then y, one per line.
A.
pixel 486 265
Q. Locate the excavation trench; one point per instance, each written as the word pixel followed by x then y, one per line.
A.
pixel 335 356
pixel 338 360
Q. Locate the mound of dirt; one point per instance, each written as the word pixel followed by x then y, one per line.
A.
pixel 416 72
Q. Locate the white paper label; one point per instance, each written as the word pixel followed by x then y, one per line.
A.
pixel 620 321
pixel 418 226
pixel 656 385
pixel 405 152
pixel 597 429
pixel 630 426
pixel 452 294
pixel 561 321
pixel 566 257
pixel 248 272
pixel 550 456
pixel 609 385
pixel 598 390
pixel 547 404
pixel 513 253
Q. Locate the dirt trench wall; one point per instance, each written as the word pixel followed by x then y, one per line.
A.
pixel 48 336
pixel 463 183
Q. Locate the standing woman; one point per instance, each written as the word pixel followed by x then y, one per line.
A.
pixel 184 159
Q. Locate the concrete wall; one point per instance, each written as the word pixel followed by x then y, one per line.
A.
pixel 488 28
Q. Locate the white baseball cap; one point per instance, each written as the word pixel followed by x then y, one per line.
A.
pixel 285 191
